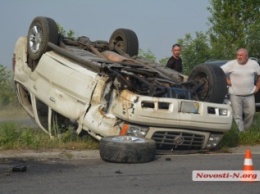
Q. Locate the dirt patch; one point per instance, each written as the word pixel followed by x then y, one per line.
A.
pixel 16 114
pixel 12 112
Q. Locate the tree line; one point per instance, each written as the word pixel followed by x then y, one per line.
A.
pixel 233 24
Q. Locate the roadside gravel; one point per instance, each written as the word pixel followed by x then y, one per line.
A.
pixel 49 154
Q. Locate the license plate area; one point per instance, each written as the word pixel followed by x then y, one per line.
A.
pixel 189 107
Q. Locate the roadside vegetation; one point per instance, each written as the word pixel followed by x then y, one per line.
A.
pixel 17 136
pixel 234 138
pixel 7 92
pixel 14 136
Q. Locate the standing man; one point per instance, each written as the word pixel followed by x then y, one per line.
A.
pixel 241 74
pixel 175 61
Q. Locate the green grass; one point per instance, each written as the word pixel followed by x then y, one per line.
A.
pixel 13 136
pixel 230 139
pixel 251 136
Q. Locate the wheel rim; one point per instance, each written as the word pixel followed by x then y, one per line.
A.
pixel 203 92
pixel 35 38
pixel 119 42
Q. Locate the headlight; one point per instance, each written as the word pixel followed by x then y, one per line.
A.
pixel 223 112
pixel 134 130
pixel 214 140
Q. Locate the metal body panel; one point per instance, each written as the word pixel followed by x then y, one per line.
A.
pixel 130 107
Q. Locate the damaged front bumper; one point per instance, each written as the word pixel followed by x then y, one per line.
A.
pixel 175 124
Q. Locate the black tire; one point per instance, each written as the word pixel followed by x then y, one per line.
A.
pixel 127 149
pixel 126 40
pixel 41 31
pixel 213 81
pixel 257 101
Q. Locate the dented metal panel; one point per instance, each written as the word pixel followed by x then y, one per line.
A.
pixel 64 77
pixel 96 122
pixel 21 70
pixel 132 108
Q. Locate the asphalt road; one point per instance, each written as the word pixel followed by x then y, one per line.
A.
pixel 167 174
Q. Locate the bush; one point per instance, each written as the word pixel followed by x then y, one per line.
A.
pixel 7 92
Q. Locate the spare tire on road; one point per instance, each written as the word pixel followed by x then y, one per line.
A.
pixel 127 149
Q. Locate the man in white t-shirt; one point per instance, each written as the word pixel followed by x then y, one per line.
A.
pixel 241 74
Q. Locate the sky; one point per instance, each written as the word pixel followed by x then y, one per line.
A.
pixel 158 24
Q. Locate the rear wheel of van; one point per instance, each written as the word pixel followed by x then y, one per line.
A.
pixel 41 31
